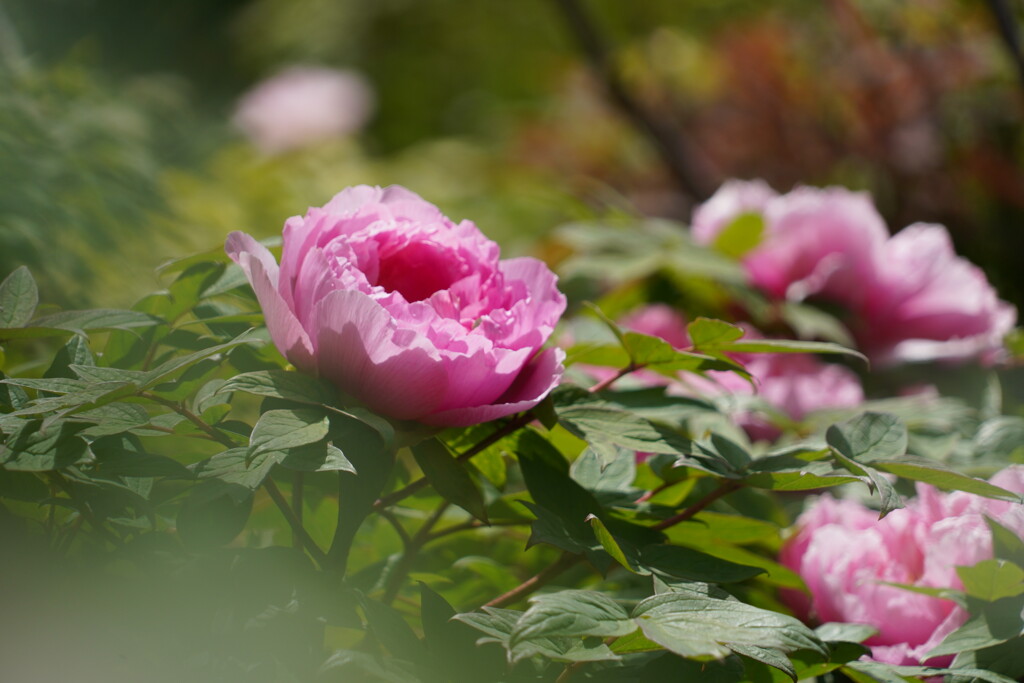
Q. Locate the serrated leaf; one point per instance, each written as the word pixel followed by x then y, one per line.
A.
pixel 691 624
pixel 991 580
pixel 18 299
pixel 449 477
pixel 570 613
pixel 869 437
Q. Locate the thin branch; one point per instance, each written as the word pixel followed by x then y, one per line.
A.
pixel 399 529
pixel 725 488
pixel 84 510
pixel 675 151
pixel 607 382
pixel 209 430
pixel 404 565
pixel 297 503
pixel 298 531
pixel 537 581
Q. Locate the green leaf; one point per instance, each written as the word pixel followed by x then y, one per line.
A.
pixel 740 235
pixel 1006 545
pixel 281 430
pixel 233 468
pixel 708 333
pixel 390 629
pixel 689 564
pixel 991 623
pixel 991 580
pixel 886 673
pixel 121 456
pixel 612 547
pixel 451 645
pixel 571 613
pixel 113 418
pixel 75 352
pixel 80 322
pixel 787 346
pixel 1006 658
pixel 869 437
pixel 658 354
pixel 18 299
pixel 449 477
pixel 834 632
pixel 692 624
pixel 291 386
pixel 766 655
pixel 33 448
pixel 317 457
pixel 211 517
pixel 498 624
pixel 935 473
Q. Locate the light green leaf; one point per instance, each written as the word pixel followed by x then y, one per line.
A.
pixel 708 333
pixel 786 346
pixel 993 579
pixel 612 547
pixel 18 299
pixel 740 235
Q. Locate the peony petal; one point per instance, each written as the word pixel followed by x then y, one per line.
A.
pixel 534 383
pixel 394 371
pixel 289 337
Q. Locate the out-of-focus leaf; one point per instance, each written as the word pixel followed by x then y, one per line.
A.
pixel 991 580
pixel 449 477
pixel 18 299
pixel 740 235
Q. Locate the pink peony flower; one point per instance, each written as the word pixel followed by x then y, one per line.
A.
pixel 303 105
pixel 846 556
pixel 409 313
pixel 817 242
pixel 928 303
pixel 908 297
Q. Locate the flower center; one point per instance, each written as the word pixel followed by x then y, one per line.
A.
pixel 418 270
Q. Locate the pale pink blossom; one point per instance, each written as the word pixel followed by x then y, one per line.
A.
pixel 407 312
pixel 304 105
pixel 848 558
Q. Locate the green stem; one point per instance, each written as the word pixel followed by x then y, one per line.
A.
pixel 297 503
pixel 298 531
pixel 416 543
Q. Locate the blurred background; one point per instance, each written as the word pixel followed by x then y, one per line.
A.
pixel 124 139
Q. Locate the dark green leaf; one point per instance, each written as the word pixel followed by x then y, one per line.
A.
pixel 34 448
pixel 281 430
pixel 1006 545
pixel 869 437
pixel 75 352
pixel 389 628
pixel 211 517
pixel 449 477
pixel 678 562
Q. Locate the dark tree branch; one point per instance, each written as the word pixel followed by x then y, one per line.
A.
pixel 675 151
pixel 1009 32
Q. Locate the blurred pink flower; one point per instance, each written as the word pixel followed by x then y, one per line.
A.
pixel 407 312
pixel 846 555
pixel 303 105
pixel 928 303
pixel 908 297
